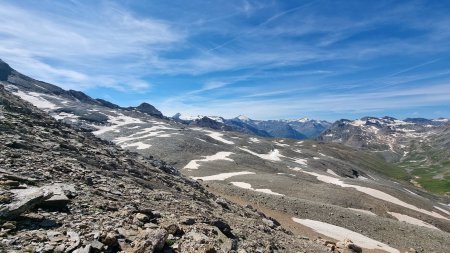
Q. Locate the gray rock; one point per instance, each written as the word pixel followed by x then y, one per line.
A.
pixel 74 239
pixel 97 246
pixel 24 200
pixel 86 249
pixel 150 241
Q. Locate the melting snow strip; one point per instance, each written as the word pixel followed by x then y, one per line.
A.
pixel 412 220
pixel 442 210
pixel 138 145
pixel 374 193
pixel 154 131
pixel 194 164
pixel 215 135
pixel 332 173
pixel 340 233
pixel 255 140
pixel 301 161
pixel 273 155
pixel 36 100
pixel 223 176
pixel 249 187
pixel 116 122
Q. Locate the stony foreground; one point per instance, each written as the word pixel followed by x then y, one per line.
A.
pixel 63 190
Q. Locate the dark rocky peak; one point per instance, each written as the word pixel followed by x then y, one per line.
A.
pixel 81 96
pixel 149 109
pixel 176 116
pixel 210 123
pixel 389 118
pixel 107 103
pixel 341 122
pixel 5 71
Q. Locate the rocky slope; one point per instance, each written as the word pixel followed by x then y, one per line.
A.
pixel 64 190
pixel 313 188
pixel 417 145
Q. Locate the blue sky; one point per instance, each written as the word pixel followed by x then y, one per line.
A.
pixel 265 59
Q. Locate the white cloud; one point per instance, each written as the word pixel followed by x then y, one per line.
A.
pixel 88 47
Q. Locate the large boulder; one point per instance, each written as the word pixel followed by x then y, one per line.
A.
pixel 150 241
pixel 24 200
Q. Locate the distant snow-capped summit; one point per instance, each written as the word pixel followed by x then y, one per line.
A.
pixel 184 117
pixel 243 118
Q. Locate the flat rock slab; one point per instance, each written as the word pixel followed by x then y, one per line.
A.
pixel 59 198
pixel 23 200
pixel 48 196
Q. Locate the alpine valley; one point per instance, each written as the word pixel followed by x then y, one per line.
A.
pixel 79 174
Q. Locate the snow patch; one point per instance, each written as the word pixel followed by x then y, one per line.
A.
pixel 116 122
pixel 281 144
pixel 301 161
pixel 64 115
pixel 412 220
pixel 255 140
pixel 374 193
pixel 215 135
pixel 413 193
pixel 36 99
pixel 332 173
pixel 138 145
pixel 154 131
pixel 194 164
pixel 295 168
pixel 442 210
pixel 273 155
pixel 340 233
pixel 249 187
pixel 223 176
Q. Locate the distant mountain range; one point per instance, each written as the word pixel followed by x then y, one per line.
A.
pixel 295 129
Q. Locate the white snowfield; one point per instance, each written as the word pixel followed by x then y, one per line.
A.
pixel 340 233
pixel 413 193
pixel 116 122
pixel 374 193
pixel 412 220
pixel 442 210
pixel 273 155
pixel 249 187
pixel 138 145
pixel 36 99
pixel 223 176
pixel 214 135
pixel 295 168
pixel 332 173
pixel 65 115
pixel 281 144
pixel 254 140
pixel 194 164
pixel 154 131
pixel 301 161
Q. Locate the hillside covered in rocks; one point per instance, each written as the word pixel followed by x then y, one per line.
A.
pixel 346 196
pixel 64 190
